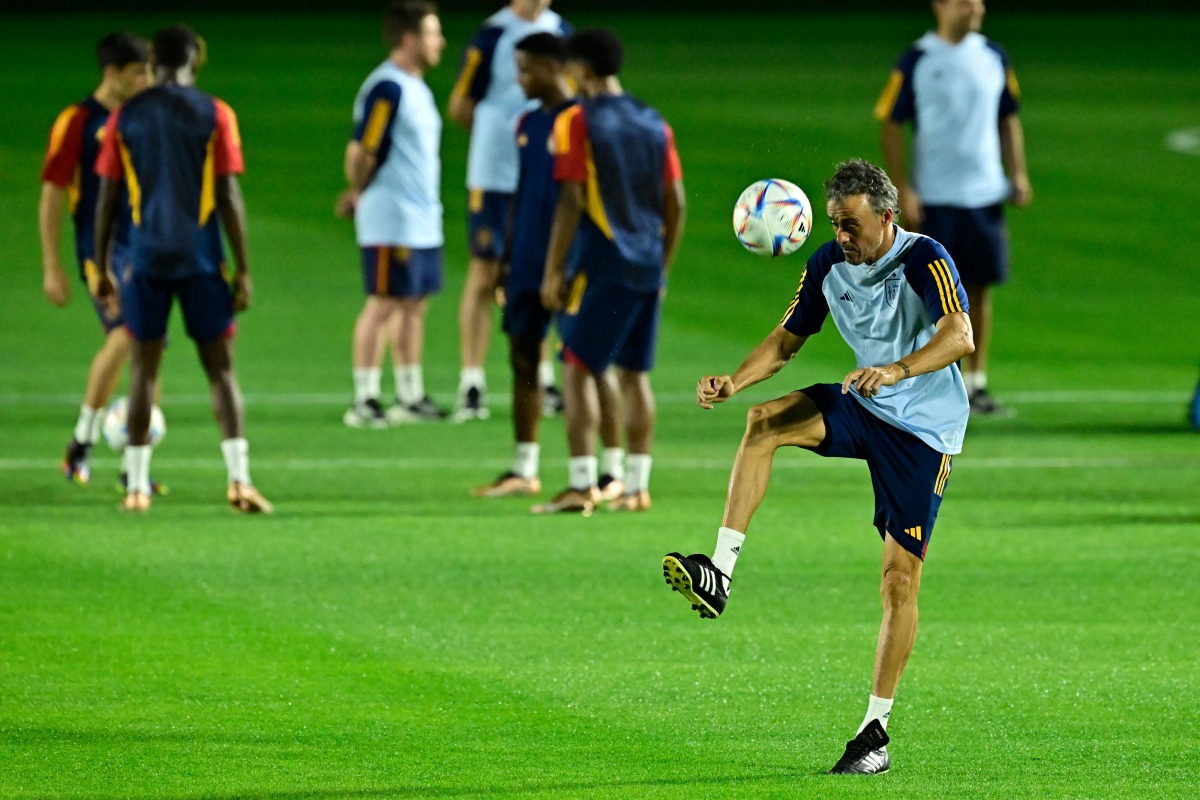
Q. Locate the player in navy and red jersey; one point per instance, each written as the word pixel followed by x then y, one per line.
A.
pixel 621 196
pixel 68 179
pixel 178 151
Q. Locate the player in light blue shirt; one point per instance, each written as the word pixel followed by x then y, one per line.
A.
pixel 960 93
pixel 393 166
pixel 896 299
pixel 488 101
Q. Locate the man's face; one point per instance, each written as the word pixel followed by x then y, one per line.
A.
pixel 130 79
pixel 431 42
pixel 858 229
pixel 535 74
pixel 960 16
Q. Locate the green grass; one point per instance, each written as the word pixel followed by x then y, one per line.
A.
pixel 384 636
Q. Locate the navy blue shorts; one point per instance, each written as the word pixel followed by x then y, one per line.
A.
pixel 909 476
pixel 976 239
pixel 525 317
pixel 487 221
pixel 206 302
pixel 606 323
pixel 401 271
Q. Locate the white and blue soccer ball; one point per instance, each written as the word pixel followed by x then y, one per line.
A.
pixel 116 426
pixel 772 218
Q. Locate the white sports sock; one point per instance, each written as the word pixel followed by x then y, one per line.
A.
pixel 525 462
pixel 366 383
pixel 877 708
pixel 87 427
pixel 581 471
pixel 545 373
pixel 472 376
pixel 613 462
pixel 638 472
pixel 975 381
pixel 410 384
pixel 729 546
pixel 137 468
pixel 237 460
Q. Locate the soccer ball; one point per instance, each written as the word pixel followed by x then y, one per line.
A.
pixel 772 218
pixel 116 429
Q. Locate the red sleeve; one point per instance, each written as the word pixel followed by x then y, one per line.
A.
pixel 227 146
pixel 672 169
pixel 108 160
pixel 66 143
pixel 570 146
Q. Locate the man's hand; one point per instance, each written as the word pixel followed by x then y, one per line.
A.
pixel 910 209
pixel 56 286
pixel 868 380
pixel 1022 191
pixel 106 293
pixel 712 389
pixel 345 204
pixel 243 291
pixel 552 291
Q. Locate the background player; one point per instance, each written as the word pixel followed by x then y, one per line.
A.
pixel 178 150
pixel 393 166
pixel 897 302
pixel 621 191
pixel 959 92
pixel 68 177
pixel 540 60
pixel 487 101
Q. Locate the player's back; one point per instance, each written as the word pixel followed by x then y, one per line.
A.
pixel 166 141
pixel 629 147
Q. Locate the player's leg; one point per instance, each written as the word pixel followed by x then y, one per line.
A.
pixel 792 420
pixel 378 279
pixel 982 260
pixel 639 420
pixel 552 399
pixel 521 480
pixel 103 375
pixel 487 214
pixel 975 363
pixel 898 587
pixel 417 276
pixel 612 459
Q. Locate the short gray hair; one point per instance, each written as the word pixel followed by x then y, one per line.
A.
pixel 858 176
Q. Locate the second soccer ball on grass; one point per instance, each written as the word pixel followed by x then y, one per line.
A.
pixel 772 218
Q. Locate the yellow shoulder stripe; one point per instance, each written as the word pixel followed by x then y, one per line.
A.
pixel 1014 88
pixel 381 114
pixel 562 129
pixel 470 65
pixel 61 124
pixel 887 100
pixel 795 300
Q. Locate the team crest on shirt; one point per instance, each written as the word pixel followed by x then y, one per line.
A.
pixel 891 289
pixel 522 140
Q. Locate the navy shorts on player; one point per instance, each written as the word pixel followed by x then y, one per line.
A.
pixel 974 237
pixel 401 271
pixel 909 476
pixel 205 300
pixel 606 323
pixel 487 223
pixel 525 317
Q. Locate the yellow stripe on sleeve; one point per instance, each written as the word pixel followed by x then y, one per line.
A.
pixel 473 58
pixel 795 300
pixel 937 279
pixel 59 131
pixel 1014 88
pixel 952 295
pixel 887 100
pixel 131 181
pixel 562 129
pixel 208 183
pixel 381 113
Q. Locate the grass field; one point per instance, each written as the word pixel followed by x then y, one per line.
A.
pixel 385 636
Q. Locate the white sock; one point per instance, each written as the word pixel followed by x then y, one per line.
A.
pixel 237 460
pixel 582 471
pixel 137 468
pixel 545 373
pixel 638 472
pixel 366 383
pixel 87 427
pixel 472 376
pixel 729 546
pixel 877 708
pixel 975 381
pixel 613 462
pixel 410 384
pixel 525 462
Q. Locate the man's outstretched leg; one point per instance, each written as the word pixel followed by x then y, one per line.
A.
pixel 792 420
